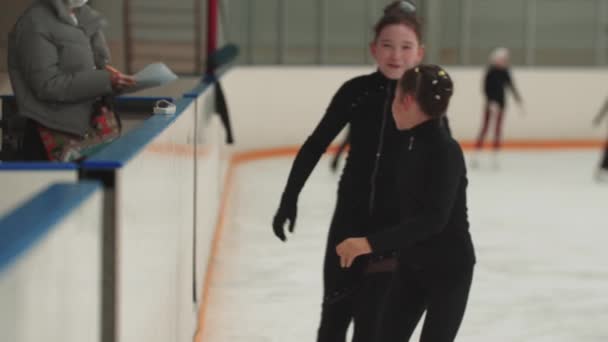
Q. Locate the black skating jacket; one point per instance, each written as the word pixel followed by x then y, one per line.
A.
pixel 366 183
pixel 495 83
pixel 433 228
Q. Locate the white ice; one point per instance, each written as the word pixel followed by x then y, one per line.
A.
pixel 539 224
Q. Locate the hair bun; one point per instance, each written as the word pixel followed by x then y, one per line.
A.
pixel 400 7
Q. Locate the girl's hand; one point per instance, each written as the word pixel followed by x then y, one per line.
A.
pixel 350 249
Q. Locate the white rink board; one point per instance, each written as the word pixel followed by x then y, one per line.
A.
pixel 52 293
pixel 280 106
pixel 19 185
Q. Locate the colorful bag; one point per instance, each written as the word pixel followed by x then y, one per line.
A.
pixel 67 147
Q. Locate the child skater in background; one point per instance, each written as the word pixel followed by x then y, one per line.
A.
pixel 497 80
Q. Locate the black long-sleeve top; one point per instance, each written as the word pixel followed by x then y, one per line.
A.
pixel 364 102
pixel 495 83
pixel 431 183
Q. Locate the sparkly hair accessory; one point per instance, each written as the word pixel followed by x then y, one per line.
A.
pixel 443 74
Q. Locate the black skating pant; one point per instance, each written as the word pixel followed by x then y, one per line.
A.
pixel 361 307
pixel 348 295
pixel 443 295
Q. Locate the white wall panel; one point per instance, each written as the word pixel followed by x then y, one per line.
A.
pixel 19 185
pixel 155 227
pixel 280 106
pixel 52 292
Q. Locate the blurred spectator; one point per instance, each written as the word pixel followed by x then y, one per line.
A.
pixel 58 70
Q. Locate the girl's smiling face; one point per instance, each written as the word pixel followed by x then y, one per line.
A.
pixel 396 49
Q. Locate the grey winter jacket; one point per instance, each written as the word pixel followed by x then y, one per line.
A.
pixel 56 66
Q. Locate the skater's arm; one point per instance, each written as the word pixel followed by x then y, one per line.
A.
pixel 446 177
pixel 511 86
pixel 600 116
pixel 332 122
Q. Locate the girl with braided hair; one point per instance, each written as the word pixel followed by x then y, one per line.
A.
pixel 436 254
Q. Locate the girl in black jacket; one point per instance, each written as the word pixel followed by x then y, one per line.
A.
pixel 436 255
pixel 365 192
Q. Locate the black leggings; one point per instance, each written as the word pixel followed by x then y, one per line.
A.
pixel 348 295
pixel 442 294
pixel 498 120
pixel 362 307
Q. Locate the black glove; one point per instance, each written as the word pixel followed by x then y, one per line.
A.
pixel 288 210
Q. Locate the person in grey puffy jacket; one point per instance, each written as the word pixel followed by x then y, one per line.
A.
pixel 58 67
